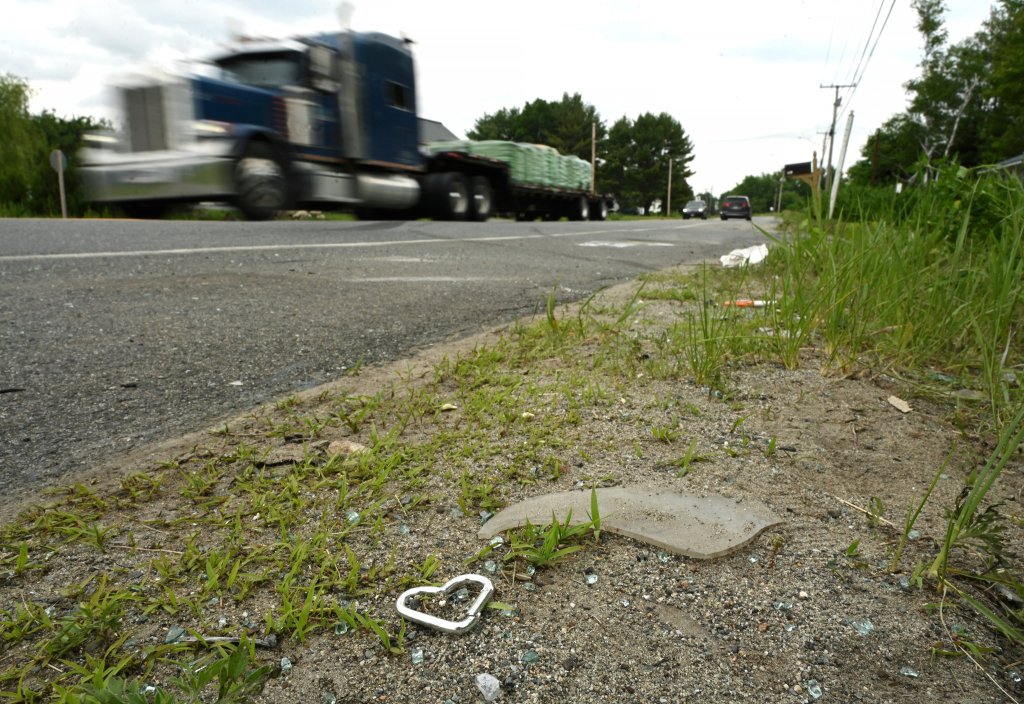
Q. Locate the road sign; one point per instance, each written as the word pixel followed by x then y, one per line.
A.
pixel 58 160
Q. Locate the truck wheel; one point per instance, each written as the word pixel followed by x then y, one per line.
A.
pixel 481 199
pixel 580 209
pixel 599 209
pixel 447 196
pixel 262 189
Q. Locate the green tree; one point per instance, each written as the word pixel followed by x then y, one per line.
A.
pixel 20 146
pixel 763 190
pixel 638 156
pixel 64 134
pixel 890 153
pixel 565 125
pixel 1002 134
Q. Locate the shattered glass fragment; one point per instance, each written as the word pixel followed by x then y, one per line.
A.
pixel 863 627
pixel 909 672
pixel 592 579
pixel 352 517
pixel 491 566
pixel 701 527
pixel 417 656
pixel 489 686
pixel 813 689
pixel 286 666
pixel 530 657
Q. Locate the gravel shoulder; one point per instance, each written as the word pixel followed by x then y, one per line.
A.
pixel 810 610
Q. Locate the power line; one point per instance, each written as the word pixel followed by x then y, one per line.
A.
pixel 858 78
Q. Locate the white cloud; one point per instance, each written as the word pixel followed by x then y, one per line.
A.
pixel 743 78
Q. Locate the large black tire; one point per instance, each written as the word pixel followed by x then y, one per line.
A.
pixel 447 196
pixel 579 209
pixel 481 199
pixel 261 183
pixel 599 209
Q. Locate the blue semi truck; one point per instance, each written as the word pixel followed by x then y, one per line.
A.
pixel 326 121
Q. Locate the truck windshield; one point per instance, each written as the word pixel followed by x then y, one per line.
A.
pixel 263 70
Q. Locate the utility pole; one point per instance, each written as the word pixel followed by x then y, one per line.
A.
pixel 832 130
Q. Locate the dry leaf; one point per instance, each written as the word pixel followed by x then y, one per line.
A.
pixel 899 404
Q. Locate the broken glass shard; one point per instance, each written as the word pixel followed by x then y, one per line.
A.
pixel 701 527
pixel 909 672
pixel 813 689
pixel 530 657
pixel 489 686
pixel 591 579
pixel 352 517
pixel 491 566
pixel 417 656
pixel 863 627
pixel 286 666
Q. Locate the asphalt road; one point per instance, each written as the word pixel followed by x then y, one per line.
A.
pixel 115 334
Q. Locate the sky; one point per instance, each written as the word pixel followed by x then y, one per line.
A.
pixel 743 78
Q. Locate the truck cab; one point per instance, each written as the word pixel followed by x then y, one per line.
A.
pixel 320 120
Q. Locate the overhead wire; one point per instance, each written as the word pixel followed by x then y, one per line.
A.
pixel 863 69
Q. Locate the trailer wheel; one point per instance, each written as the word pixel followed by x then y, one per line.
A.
pixel 262 189
pixel 599 209
pixel 579 209
pixel 447 196
pixel 481 199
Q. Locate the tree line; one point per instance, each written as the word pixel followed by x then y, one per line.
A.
pixel 28 184
pixel 965 106
pixel 633 155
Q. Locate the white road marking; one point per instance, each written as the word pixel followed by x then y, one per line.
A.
pixel 624 245
pixel 326 245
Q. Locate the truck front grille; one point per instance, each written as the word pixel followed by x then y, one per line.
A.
pixel 146 118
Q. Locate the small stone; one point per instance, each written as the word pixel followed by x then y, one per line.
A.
pixel 909 672
pixel 345 448
pixel 489 686
pixel 803 595
pixel 530 657
pixel 286 666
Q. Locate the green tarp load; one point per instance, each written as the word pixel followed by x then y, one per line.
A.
pixel 529 164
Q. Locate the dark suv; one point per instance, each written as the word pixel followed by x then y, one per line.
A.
pixel 735 207
pixel 695 209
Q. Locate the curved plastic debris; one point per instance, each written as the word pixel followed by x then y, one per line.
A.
pixel 700 527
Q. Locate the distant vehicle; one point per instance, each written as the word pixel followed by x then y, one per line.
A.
pixel 735 207
pixel 695 209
